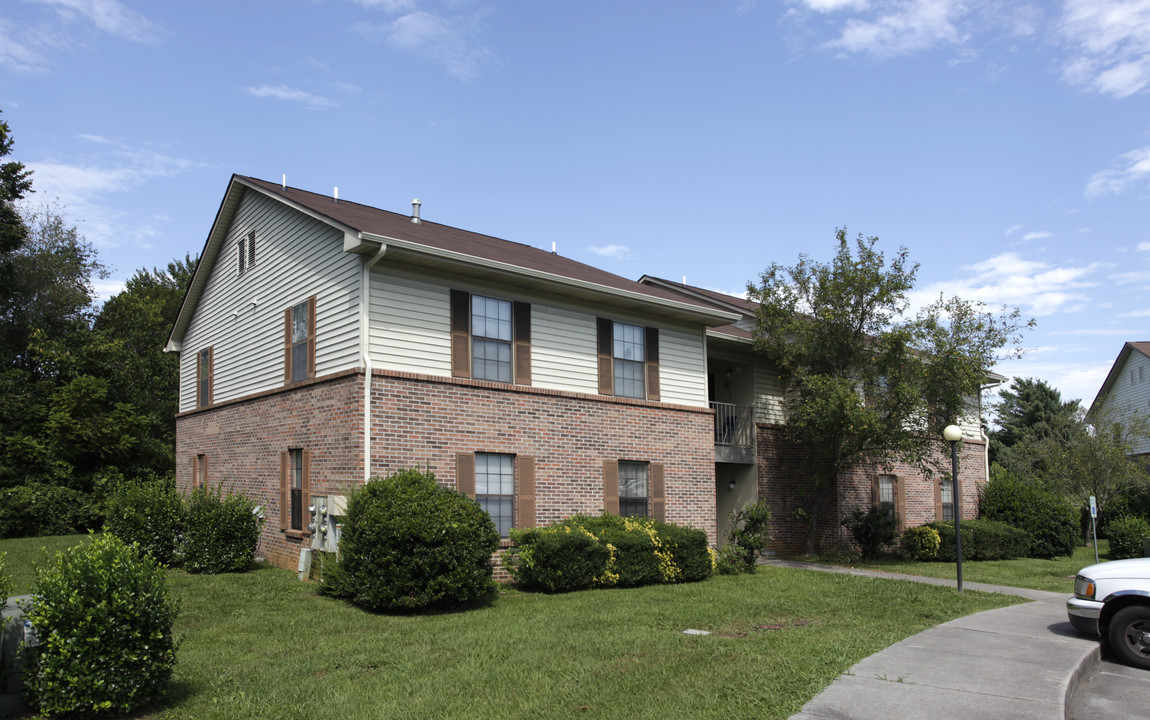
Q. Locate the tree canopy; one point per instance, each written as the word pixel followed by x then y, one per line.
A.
pixel 865 380
pixel 1029 407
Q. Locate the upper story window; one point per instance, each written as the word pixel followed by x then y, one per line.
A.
pixel 246 251
pixel 299 341
pixel 628 360
pixel 490 339
pixel 633 489
pixel 204 372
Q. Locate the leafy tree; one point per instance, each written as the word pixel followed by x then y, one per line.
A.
pixel 1028 407
pixel 866 381
pixel 15 183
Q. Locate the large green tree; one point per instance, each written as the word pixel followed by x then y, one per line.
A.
pixel 1029 407
pixel 866 380
pixel 15 183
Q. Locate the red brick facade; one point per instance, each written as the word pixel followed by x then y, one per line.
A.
pixel 427 421
pixel 786 489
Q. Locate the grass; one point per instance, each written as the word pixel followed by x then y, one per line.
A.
pixel 24 553
pixel 1055 575
pixel 264 645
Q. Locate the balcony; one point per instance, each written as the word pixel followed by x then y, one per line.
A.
pixel 734 433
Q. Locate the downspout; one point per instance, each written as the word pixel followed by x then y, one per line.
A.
pixel 365 354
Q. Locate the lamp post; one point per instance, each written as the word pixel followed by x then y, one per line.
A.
pixel 952 434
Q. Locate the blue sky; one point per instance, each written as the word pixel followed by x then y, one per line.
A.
pixel 1006 144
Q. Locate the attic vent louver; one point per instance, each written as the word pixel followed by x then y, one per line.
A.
pixel 415 211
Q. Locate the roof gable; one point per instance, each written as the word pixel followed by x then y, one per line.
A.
pixel 1128 349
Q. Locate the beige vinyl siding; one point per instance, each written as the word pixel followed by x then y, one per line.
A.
pixel 410 327
pixel 563 349
pixel 970 422
pixel 769 395
pixel 241 316
pixel 682 366
pixel 1127 396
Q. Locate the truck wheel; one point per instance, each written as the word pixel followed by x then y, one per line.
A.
pixel 1129 635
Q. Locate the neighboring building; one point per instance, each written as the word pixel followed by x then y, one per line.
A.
pixel 323 342
pixel 1125 393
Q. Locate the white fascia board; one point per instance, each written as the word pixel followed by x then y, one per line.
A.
pixel 711 317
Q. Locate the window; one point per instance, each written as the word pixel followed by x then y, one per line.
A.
pixel 947 499
pixel 490 339
pixel 628 360
pixel 295 491
pixel 633 489
pixel 299 341
pixel 204 380
pixel 886 495
pixel 246 251
pixel 495 488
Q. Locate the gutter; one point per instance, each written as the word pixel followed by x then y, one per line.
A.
pixel 365 354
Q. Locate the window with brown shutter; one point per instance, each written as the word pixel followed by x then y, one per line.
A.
pixel 295 491
pixel 628 359
pixel 205 372
pixel 634 489
pixel 490 338
pixel 299 341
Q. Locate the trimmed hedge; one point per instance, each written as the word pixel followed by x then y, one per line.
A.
pixel 408 543
pixel 104 619
pixel 921 543
pixel 982 540
pixel 1051 521
pixel 38 510
pixel 221 532
pixel 607 551
pixel 150 514
pixel 1126 537
pixel 873 529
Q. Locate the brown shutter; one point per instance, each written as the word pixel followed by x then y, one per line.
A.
pixel 651 351
pixel 938 499
pixel 465 473
pixel 199 378
pixel 521 320
pixel 524 491
pixel 900 502
pixel 658 493
pixel 195 471
pixel 211 375
pixel 287 346
pixel 460 334
pixel 285 495
pixel 204 475
pixel 875 491
pixel 305 491
pixel 310 339
pixel 611 487
pixel 606 340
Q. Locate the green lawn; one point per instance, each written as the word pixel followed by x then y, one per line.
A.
pixel 264 645
pixel 24 553
pixel 1055 575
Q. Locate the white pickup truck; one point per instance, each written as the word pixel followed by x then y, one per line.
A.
pixel 1113 598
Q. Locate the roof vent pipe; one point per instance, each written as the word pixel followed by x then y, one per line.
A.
pixel 415 211
pixel 684 281
pixel 553 248
pixel 335 193
pixel 283 186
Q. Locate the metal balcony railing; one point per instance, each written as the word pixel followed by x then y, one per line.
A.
pixel 734 425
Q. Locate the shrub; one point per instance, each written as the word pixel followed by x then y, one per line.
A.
pixel 920 543
pixel 633 552
pixel 1051 521
pixel 1130 501
pixel 149 514
pixel 408 543
pixel 872 529
pixel 557 559
pixel 104 620
pixel 5 586
pixel 1126 537
pixel 36 510
pixel 747 535
pixel 982 540
pixel 220 532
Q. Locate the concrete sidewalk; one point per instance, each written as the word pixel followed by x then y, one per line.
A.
pixel 1020 662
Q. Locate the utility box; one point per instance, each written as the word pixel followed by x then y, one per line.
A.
pixel 327 513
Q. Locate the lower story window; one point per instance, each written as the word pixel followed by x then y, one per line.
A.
pixel 886 495
pixel 296 489
pixel 495 488
pixel 633 493
pixel 947 487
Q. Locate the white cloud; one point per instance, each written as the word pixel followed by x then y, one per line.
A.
pixel 1136 313
pixel 825 6
pixel 452 41
pixel 1144 246
pixel 283 92
pixel 1131 167
pixel 1121 332
pixel 1131 277
pixel 110 16
pixel 84 188
pixel 1038 288
pixel 615 252
pixel 1036 235
pixel 1073 380
pixel 1012 229
pixel 904 27
pixel 1111 39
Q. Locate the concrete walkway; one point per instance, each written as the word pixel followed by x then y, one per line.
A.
pixel 1022 661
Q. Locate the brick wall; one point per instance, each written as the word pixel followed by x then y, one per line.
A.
pixel 786 489
pixel 425 421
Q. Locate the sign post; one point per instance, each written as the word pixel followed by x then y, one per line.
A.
pixel 1094 525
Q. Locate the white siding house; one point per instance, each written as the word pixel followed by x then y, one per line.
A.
pixel 1125 394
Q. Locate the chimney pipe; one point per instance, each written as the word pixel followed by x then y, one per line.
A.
pixel 335 193
pixel 415 211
